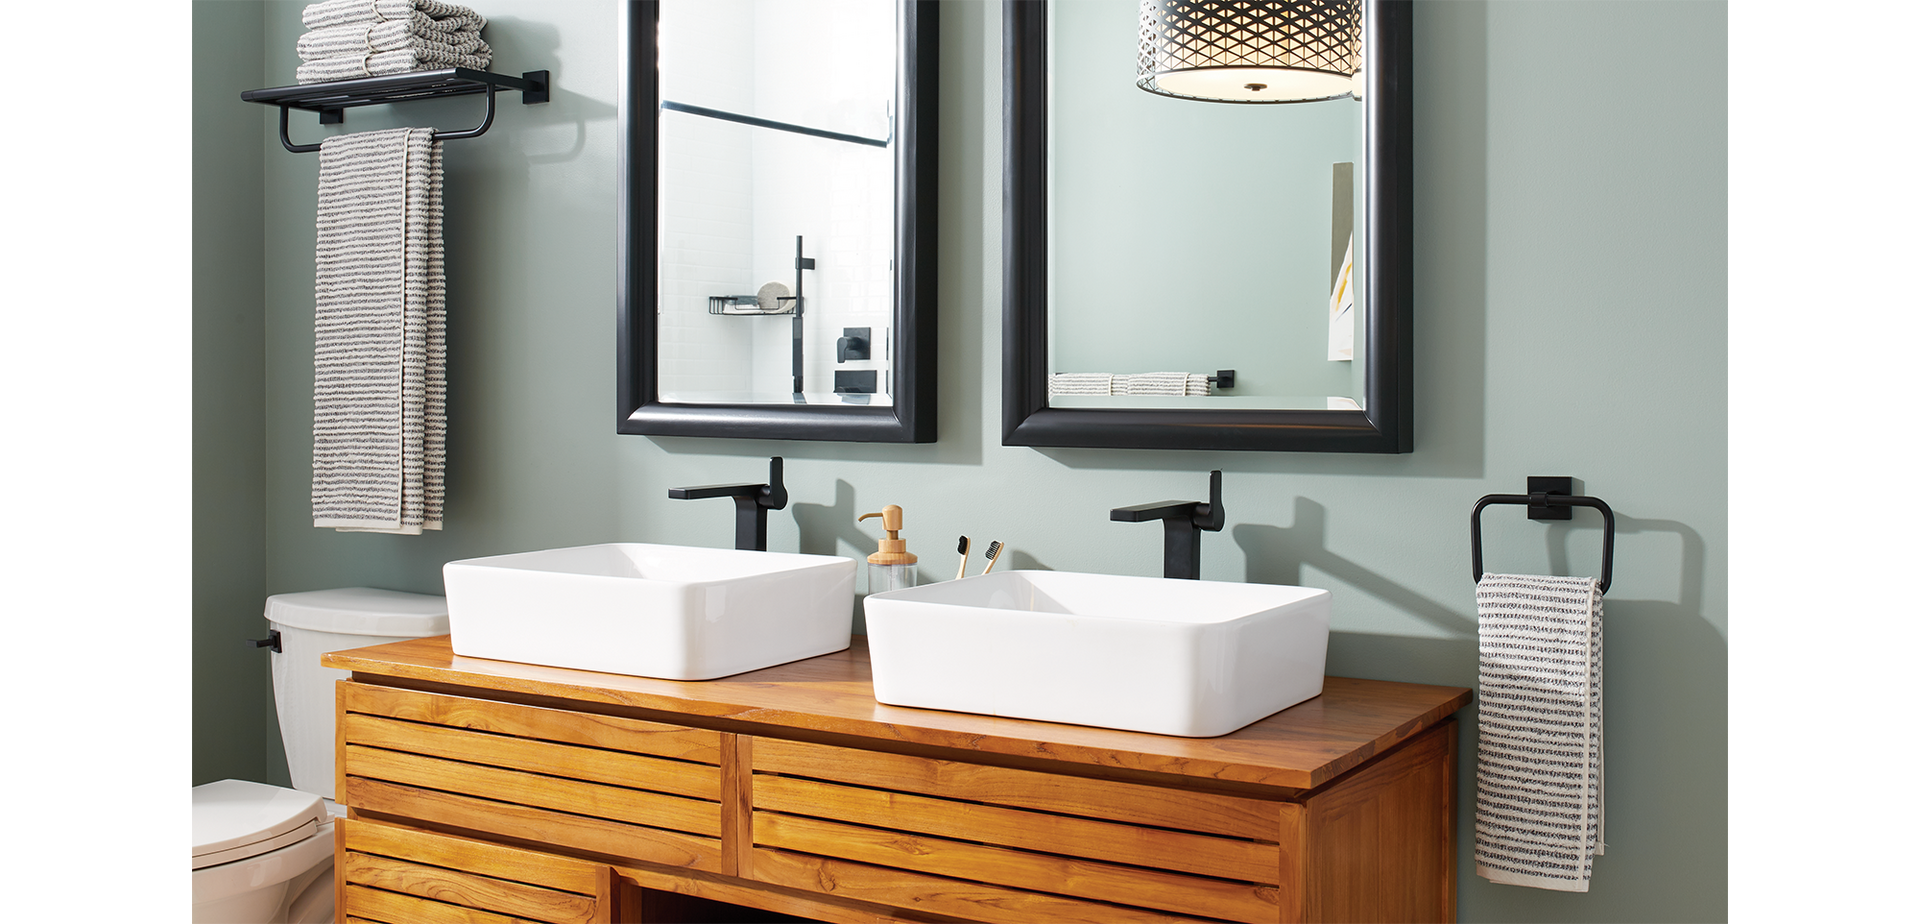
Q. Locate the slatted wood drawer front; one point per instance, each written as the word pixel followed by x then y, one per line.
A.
pixel 602 784
pixel 998 844
pixel 395 875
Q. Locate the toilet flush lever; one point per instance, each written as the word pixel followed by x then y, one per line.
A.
pixel 271 641
pixel 1183 521
pixel 750 501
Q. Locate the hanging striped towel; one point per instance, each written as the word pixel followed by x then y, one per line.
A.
pixel 1539 817
pixel 379 330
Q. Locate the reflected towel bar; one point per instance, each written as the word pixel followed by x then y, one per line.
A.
pixel 1549 498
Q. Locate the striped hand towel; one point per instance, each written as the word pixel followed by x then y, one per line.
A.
pixel 1539 816
pixel 1152 383
pixel 342 12
pixel 415 57
pixel 375 38
pixel 367 38
pixel 1080 383
pixel 379 354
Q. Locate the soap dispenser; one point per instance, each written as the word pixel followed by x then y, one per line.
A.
pixel 891 568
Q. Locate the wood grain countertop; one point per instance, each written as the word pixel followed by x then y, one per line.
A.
pixel 1298 748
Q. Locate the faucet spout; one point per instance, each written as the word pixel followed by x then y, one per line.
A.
pixel 750 504
pixel 1183 521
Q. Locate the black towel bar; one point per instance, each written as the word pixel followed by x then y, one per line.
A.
pixel 1549 499
pixel 329 99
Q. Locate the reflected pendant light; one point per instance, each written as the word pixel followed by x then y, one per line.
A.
pixel 1241 51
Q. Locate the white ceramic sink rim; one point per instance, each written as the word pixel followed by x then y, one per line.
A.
pixel 650 610
pixel 1188 658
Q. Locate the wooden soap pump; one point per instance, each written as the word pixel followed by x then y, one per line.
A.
pixel 891 568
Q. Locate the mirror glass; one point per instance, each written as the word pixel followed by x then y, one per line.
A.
pixel 1198 274
pixel 776 119
pixel 1192 237
pixel 777 219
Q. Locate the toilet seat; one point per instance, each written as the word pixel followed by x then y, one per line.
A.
pixel 237 819
pixel 260 853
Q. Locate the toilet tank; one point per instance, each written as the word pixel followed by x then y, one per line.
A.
pixel 313 623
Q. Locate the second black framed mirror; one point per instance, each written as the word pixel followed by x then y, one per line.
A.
pixel 776 220
pixel 1155 239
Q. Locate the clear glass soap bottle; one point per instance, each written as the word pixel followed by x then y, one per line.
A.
pixel 891 568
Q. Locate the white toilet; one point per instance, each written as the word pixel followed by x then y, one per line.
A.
pixel 264 854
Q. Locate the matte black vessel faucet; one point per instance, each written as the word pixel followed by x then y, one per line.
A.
pixel 750 504
pixel 1183 520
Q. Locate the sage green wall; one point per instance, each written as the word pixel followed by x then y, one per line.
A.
pixel 1571 319
pixel 229 405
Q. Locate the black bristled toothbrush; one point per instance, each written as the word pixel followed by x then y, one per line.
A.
pixel 993 554
pixel 966 545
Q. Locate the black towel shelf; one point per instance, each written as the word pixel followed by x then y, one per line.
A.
pixel 1549 498
pixel 332 98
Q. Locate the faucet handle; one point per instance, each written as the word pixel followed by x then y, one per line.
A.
pixel 774 495
pixel 1212 515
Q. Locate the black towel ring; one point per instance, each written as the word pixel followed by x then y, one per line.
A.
pixel 1549 499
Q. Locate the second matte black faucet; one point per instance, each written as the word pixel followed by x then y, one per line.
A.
pixel 1183 521
pixel 750 504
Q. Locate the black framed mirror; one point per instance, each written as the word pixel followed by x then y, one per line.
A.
pixel 776 222
pixel 1040 406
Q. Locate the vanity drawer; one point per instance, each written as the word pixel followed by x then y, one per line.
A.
pixel 395 875
pixel 608 785
pixel 1000 844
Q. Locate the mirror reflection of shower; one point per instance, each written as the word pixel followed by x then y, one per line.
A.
pixel 776 162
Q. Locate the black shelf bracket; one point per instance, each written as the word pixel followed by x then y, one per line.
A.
pixel 332 98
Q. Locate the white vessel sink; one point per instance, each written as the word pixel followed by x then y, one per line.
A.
pixel 666 611
pixel 1190 658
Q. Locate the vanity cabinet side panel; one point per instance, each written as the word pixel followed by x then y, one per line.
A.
pixel 1380 844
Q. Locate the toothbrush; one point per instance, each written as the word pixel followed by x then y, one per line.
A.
pixel 993 555
pixel 966 545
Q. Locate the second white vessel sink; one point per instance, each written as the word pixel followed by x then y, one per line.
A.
pixel 667 611
pixel 1189 658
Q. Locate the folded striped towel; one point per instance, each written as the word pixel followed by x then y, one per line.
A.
pixel 367 38
pixel 1153 383
pixel 1179 384
pixel 1080 383
pixel 1539 816
pixel 379 330
pixel 341 12
pixel 412 58
pixel 375 38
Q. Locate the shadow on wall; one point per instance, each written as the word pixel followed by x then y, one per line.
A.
pixel 1275 554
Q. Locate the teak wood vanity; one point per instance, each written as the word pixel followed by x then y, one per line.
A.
pixel 490 791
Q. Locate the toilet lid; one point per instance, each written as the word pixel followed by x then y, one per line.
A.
pixel 236 819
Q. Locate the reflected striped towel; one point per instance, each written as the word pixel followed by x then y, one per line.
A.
pixel 1081 383
pixel 1177 384
pixel 379 330
pixel 1539 819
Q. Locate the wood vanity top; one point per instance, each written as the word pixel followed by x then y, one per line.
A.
pixel 1298 748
